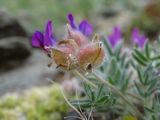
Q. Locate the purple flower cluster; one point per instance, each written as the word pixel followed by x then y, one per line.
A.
pixel 75 50
pixel 138 39
pixel 116 36
pixel 84 27
pixel 76 45
pixel 47 40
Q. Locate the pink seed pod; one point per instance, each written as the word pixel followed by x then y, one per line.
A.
pixel 90 56
pixel 64 54
pixel 76 35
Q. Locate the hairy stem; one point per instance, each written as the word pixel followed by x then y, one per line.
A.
pixel 77 73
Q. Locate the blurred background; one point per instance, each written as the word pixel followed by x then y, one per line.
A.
pixel 23 69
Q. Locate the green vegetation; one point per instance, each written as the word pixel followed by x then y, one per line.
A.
pixel 32 13
pixel 45 103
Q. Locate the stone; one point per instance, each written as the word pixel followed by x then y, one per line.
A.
pixel 10 26
pixel 13 51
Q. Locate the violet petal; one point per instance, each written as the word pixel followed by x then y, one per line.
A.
pixel 118 33
pixel 111 40
pixel 115 37
pixel 142 41
pixel 37 39
pixel 49 39
pixel 138 39
pixel 135 35
pixel 71 21
pixel 86 28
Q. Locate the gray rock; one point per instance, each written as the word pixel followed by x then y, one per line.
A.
pixel 33 72
pixel 13 51
pixel 10 26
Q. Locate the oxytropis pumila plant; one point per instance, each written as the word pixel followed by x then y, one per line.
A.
pixel 123 82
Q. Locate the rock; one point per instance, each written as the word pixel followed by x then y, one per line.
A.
pixel 33 72
pixel 14 50
pixel 10 26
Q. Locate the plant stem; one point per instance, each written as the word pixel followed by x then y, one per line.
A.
pixel 135 96
pixel 82 117
pixel 77 73
pixel 119 93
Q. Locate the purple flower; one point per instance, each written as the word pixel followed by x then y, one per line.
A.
pixel 84 27
pixel 115 37
pixel 138 39
pixel 44 40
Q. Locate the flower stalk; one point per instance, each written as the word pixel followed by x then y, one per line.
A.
pixel 77 73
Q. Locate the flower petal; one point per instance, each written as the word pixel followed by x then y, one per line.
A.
pixel 118 33
pixel 37 39
pixel 138 39
pixel 49 39
pixel 86 28
pixel 142 41
pixel 71 21
pixel 135 35
pixel 111 39
pixel 115 37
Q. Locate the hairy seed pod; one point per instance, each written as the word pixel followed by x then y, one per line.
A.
pixel 77 36
pixel 64 54
pixel 90 56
